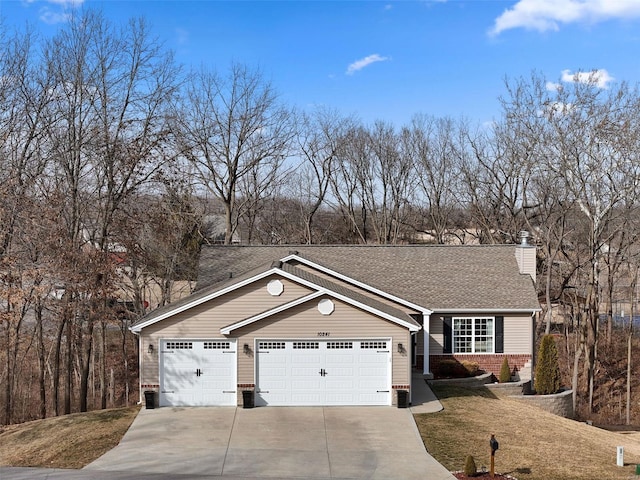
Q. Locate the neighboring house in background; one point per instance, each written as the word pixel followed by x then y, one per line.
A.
pixel 337 325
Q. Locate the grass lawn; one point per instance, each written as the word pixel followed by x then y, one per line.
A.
pixel 534 445
pixel 69 441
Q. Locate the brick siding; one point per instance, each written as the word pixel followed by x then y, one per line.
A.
pixel 487 362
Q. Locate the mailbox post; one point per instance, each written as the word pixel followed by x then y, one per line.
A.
pixel 493 443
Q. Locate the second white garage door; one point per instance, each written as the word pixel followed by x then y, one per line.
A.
pixel 323 372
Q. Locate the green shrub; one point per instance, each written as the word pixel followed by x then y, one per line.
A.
pixel 470 468
pixel 547 375
pixel 505 371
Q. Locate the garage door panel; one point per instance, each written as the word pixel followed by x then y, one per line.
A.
pixel 346 385
pixel 301 358
pixel 341 398
pixel 306 398
pixel 338 359
pixel 279 372
pixel 275 386
pixel 368 371
pixel 303 371
pixel 325 372
pixel 305 384
pixel 340 371
pixel 273 399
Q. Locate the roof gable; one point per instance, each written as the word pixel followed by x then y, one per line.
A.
pixel 320 285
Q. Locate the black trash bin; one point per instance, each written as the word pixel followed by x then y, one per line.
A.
pixel 403 398
pixel 247 399
pixel 149 399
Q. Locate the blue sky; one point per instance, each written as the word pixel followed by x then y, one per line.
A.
pixel 383 59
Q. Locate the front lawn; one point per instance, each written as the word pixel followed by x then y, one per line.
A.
pixel 68 441
pixel 534 445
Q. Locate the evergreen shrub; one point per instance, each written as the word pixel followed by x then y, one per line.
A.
pixel 505 371
pixel 470 468
pixel 547 374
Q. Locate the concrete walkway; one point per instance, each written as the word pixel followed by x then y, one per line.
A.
pixel 423 400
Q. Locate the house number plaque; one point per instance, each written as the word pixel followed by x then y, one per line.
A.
pixel 323 334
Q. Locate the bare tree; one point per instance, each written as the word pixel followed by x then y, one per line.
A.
pixel 436 148
pixel 495 178
pixel 230 126
pixel 590 146
pixel 349 183
pixel 107 132
pixel 373 183
pixel 22 102
pixel 320 138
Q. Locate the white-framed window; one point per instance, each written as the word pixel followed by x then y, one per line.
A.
pixel 474 335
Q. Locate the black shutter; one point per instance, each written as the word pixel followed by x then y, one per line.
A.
pixel 499 334
pixel 448 336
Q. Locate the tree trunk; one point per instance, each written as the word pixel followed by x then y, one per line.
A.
pixel 228 219
pixel 56 367
pixel 111 388
pixel 69 370
pixel 86 363
pixel 629 344
pixel 9 380
pixel 576 365
pixel 103 364
pixel 41 361
pixel 125 362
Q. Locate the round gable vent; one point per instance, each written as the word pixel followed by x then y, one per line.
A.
pixel 326 306
pixel 275 287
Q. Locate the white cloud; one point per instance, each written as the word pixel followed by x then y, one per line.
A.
pixel 61 3
pixel 600 77
pixel 544 15
pixel 54 11
pixel 52 17
pixel 553 87
pixel 66 3
pixel 365 62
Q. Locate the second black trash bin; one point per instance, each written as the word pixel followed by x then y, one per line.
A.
pixel 403 399
pixel 149 399
pixel 247 399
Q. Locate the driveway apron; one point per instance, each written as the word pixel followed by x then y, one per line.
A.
pixel 274 442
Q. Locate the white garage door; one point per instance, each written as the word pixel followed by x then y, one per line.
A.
pixel 198 372
pixel 323 372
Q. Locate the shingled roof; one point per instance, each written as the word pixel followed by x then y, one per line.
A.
pixel 437 277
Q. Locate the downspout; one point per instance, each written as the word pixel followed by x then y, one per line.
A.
pixel 426 371
pixel 533 346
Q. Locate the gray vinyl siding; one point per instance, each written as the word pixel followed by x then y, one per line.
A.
pixel 526 257
pixel 517 332
pixel 436 337
pixel 205 320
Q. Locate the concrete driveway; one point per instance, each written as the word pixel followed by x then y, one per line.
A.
pixel 276 442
